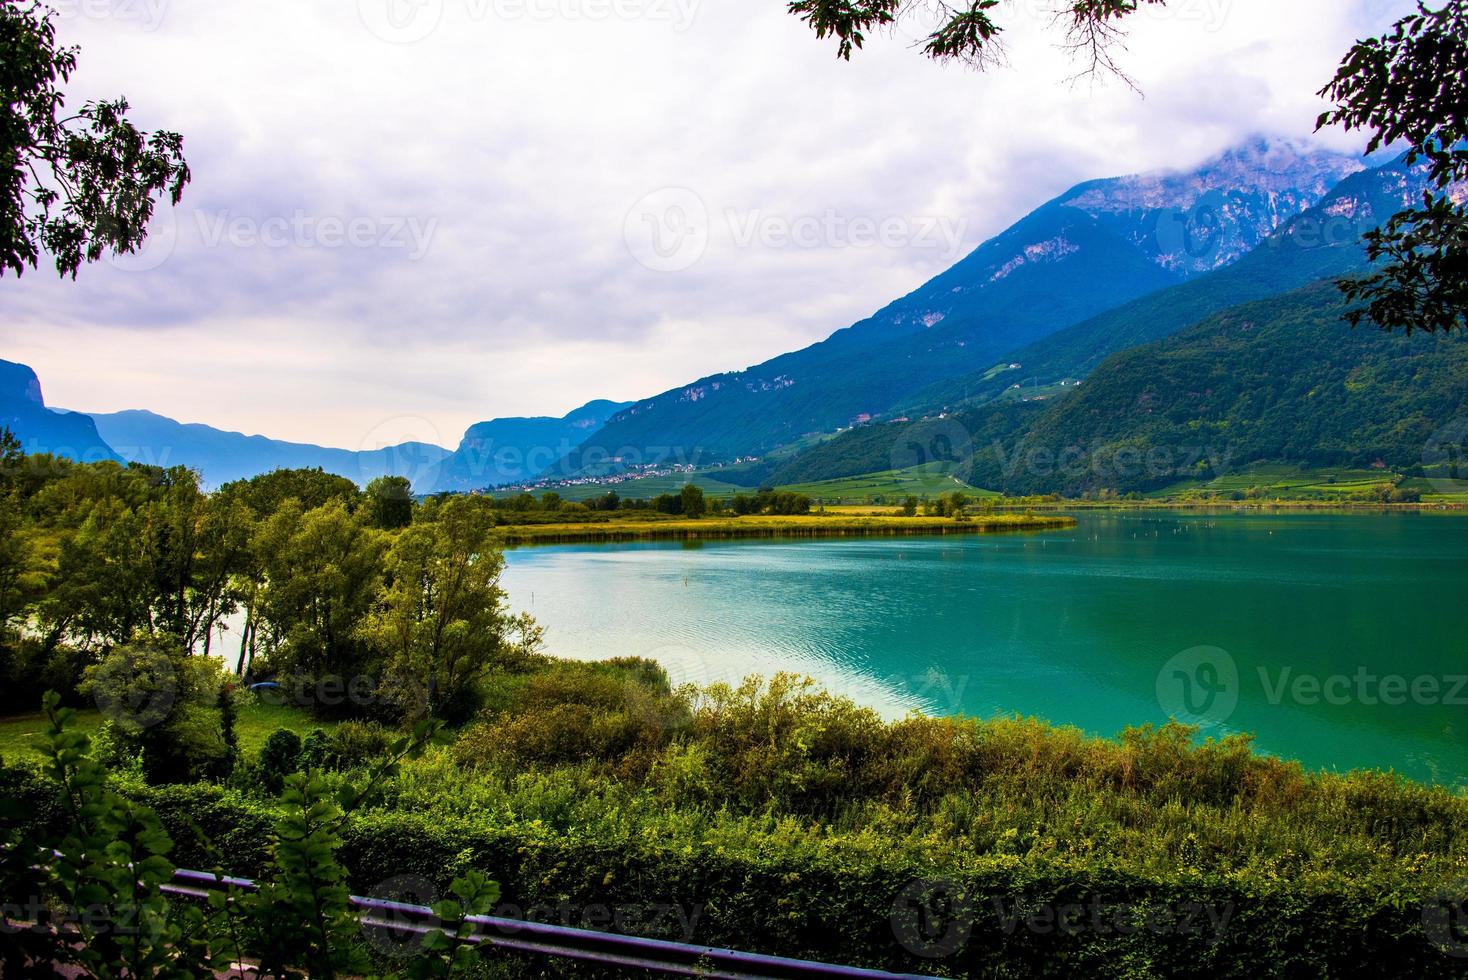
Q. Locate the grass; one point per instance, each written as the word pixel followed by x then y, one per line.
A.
pixel 892 485
pixel 254 723
pixel 812 526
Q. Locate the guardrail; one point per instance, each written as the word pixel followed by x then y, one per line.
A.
pixel 564 942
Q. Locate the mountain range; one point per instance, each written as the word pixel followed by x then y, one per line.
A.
pixel 491 453
pixel 1051 337
pixel 1280 380
pixel 1094 248
pixel 1026 402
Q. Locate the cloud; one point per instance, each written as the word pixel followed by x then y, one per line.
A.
pixel 437 224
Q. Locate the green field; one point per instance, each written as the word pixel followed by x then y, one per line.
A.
pixel 892 486
pixel 1439 491
pixel 1286 482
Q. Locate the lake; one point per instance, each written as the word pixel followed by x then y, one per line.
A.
pixel 1337 639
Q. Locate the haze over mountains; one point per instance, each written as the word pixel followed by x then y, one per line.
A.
pixel 1082 290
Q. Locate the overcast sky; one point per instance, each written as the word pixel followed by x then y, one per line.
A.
pixel 410 215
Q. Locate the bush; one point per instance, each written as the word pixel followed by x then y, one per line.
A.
pixel 279 757
pixel 314 750
pixel 357 743
pixel 793 822
pixel 30 672
pixel 768 889
pixel 163 706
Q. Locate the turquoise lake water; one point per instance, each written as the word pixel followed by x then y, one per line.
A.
pixel 1340 640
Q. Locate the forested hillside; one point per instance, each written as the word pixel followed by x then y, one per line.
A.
pixel 1324 241
pixel 1282 380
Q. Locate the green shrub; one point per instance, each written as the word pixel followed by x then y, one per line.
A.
pixel 314 750
pixel 163 708
pixel 357 743
pixel 279 757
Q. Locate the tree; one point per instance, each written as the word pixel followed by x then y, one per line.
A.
pixel 15 560
pixel 691 501
pixel 442 619
pixel 74 186
pixel 321 571
pixel 1411 86
pixel 969 34
pixel 221 579
pixel 390 500
pixel 910 507
pixel 312 488
pixel 101 588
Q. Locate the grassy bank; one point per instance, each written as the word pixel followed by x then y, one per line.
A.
pixel 805 526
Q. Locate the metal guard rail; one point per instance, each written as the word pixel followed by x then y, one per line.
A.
pixel 565 942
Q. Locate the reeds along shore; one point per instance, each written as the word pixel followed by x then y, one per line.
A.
pixel 814 526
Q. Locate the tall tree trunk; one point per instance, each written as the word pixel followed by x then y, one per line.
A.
pixel 246 640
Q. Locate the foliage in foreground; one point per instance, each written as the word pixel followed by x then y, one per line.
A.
pixel 776 817
pixel 85 891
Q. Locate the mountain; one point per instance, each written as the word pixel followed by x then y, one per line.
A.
pixel 1102 244
pixel 44 430
pixel 491 452
pixel 1322 242
pixel 1281 380
pixel 221 456
pixel 519 449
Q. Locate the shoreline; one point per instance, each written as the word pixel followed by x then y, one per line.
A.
pixel 812 527
pixel 1242 505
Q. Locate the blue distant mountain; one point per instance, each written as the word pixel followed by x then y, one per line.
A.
pixel 491 453
pixel 221 456
pixel 44 430
pixel 516 450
